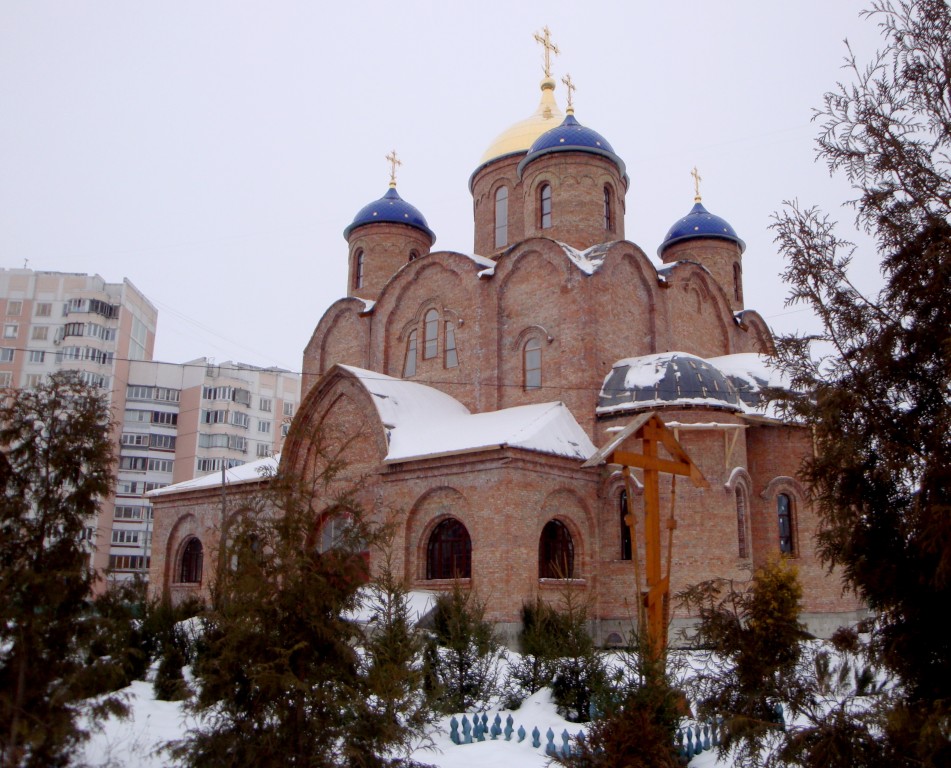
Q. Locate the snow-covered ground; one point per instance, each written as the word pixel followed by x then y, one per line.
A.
pixel 136 742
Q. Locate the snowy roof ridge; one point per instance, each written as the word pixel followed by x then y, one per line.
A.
pixel 243 473
pixel 422 421
pixel 589 260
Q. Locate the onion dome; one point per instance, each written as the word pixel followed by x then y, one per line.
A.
pixel 667 379
pixel 700 223
pixel 519 137
pixel 391 209
pixel 572 136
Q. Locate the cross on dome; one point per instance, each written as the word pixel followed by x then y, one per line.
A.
pixel 394 161
pixel 549 46
pixel 570 86
pixel 697 178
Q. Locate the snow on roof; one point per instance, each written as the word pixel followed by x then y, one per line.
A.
pixel 422 421
pixel 734 382
pixel 246 473
pixel 588 261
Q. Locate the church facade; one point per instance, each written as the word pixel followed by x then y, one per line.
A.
pixel 473 389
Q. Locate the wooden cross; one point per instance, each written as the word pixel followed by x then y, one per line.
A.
pixel 394 161
pixel 696 184
pixel 550 48
pixel 571 89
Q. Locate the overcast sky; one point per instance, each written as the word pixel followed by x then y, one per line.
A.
pixel 213 152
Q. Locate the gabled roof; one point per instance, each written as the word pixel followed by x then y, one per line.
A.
pixel 246 473
pixel 422 422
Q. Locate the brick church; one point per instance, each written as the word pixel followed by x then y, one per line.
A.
pixel 477 387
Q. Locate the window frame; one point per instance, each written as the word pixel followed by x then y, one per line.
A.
pixel 532 364
pixel 448 547
pixel 191 563
pixel 556 542
pixel 501 213
pixel 545 206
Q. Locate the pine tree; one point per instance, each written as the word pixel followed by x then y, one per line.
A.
pixel 278 671
pixel 876 381
pixel 55 467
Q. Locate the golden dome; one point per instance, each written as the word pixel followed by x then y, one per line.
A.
pixel 521 136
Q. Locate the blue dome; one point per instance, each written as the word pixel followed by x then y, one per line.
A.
pixel 697 224
pixel 571 136
pixel 392 209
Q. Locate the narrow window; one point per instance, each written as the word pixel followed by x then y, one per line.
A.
pixel 784 512
pixel 358 269
pixel 736 281
pixel 532 364
pixel 556 552
pixel 190 572
pixel 409 364
pixel 608 212
pixel 413 255
pixel 452 358
pixel 545 206
pixel 626 553
pixel 744 550
pixel 430 334
pixel 501 217
pixel 449 552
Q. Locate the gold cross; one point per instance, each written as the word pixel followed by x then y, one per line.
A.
pixel 549 46
pixel 394 161
pixel 696 183
pixel 571 89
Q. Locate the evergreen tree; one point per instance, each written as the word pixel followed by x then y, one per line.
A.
pixel 55 466
pixel 278 673
pixel 578 674
pixel 877 389
pixel 463 653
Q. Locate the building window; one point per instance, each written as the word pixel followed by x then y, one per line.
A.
pixel 449 553
pixel 413 255
pixel 626 550
pixel 14 308
pixel 332 533
pixel 532 364
pixel 192 554
pixel 33 380
pixel 43 309
pixel 124 536
pixel 409 364
pixel 10 330
pixel 608 210
pixel 160 465
pixel 264 426
pixel 288 409
pixel 37 355
pixel 40 332
pixel 6 355
pixel 265 404
pixel 138 340
pixel 6 378
pixel 556 552
pixel 264 450
pixel 430 334
pixel 544 208
pixel 784 513
pixel 744 548
pixel 133 463
pixel 240 419
pixel 501 217
pixel 358 269
pixel 452 357
pixel 736 280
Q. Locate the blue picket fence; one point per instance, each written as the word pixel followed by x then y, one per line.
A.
pixel 691 740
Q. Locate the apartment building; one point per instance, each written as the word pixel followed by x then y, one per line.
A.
pixel 171 421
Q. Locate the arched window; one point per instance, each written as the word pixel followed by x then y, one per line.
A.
pixel 626 553
pixel 451 356
pixel 556 552
pixel 192 554
pixel 744 547
pixel 608 210
pixel 409 363
pixel 358 269
pixel 413 255
pixel 430 334
pixel 501 217
pixel 532 364
pixel 544 207
pixel 784 513
pixel 737 274
pixel 449 552
pixel 332 531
